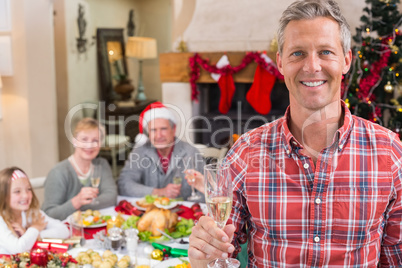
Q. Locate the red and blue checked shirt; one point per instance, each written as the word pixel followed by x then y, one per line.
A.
pixel 345 211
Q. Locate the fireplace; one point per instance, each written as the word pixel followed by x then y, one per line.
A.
pixel 215 129
pixel 211 127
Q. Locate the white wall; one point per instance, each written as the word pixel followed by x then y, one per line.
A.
pixel 28 135
pixel 245 25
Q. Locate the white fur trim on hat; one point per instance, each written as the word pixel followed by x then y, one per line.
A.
pixel 156 113
pixel 140 140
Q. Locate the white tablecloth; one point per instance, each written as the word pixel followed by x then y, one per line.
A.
pixel 143 249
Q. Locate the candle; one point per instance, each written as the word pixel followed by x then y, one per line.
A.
pixel 39 257
pixel 113 222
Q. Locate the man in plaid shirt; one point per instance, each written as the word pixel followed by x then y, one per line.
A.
pixel 318 187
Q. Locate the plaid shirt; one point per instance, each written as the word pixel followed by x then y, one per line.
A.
pixel 344 211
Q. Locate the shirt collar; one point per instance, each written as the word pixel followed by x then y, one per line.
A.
pixel 342 134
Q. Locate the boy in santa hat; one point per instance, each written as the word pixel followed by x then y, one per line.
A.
pixel 158 157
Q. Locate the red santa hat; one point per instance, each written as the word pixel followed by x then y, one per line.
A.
pixel 153 111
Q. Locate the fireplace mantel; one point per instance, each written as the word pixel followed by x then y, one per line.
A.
pixel 174 67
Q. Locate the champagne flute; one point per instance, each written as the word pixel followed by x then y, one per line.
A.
pixel 219 197
pixel 95 180
pixel 194 196
pixel 177 178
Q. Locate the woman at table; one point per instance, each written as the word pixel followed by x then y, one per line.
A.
pixel 68 187
pixel 21 221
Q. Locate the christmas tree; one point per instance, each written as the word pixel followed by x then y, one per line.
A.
pixel 370 89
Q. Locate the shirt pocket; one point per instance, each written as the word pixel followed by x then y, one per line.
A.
pixel 358 214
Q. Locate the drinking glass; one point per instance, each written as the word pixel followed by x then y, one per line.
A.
pixel 177 178
pixel 95 180
pixel 76 227
pixel 219 197
pixel 194 196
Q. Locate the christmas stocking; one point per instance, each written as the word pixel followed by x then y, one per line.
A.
pixel 259 95
pixel 226 85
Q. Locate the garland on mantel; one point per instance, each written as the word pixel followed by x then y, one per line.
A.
pixel 197 61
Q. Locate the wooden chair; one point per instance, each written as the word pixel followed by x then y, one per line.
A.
pixel 211 154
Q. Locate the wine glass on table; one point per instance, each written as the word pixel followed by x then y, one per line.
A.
pixel 177 179
pixel 95 180
pixel 219 197
pixel 191 176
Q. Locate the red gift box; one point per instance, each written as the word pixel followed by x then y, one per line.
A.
pixel 42 245
pixel 59 247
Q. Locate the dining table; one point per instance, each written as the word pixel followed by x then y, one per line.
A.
pixel 144 249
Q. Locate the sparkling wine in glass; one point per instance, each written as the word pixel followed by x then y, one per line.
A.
pixel 219 197
pixel 95 180
pixel 194 196
pixel 177 179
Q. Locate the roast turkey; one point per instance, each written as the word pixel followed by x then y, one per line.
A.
pixel 157 218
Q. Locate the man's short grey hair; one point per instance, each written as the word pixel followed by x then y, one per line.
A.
pixel 172 125
pixel 311 9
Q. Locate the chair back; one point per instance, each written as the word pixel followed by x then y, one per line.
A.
pixel 211 154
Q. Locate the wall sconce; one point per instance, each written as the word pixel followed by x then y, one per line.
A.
pixel 82 26
pixel 141 48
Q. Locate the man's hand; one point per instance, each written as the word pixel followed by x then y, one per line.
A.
pixel 208 242
pixel 84 197
pixel 171 191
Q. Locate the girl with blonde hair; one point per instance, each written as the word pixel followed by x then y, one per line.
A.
pixel 21 220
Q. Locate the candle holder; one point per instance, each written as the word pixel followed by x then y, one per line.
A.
pixel 39 257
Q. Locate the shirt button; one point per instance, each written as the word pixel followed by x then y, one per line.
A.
pixel 318 201
pixel 306 166
pixel 340 147
pixel 287 151
pixel 316 239
pixel 295 143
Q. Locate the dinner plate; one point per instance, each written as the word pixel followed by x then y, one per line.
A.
pixel 138 206
pixel 70 220
pixel 170 262
pixel 170 206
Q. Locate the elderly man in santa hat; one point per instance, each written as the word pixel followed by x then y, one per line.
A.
pixel 158 157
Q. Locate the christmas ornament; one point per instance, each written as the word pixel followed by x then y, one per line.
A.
pixel 25 254
pixel 389 88
pixel 366 64
pixel 157 254
pixel 347 103
pixel 182 47
pixel 163 248
pixel 274 45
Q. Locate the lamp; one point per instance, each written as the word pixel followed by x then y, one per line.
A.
pixel 141 48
